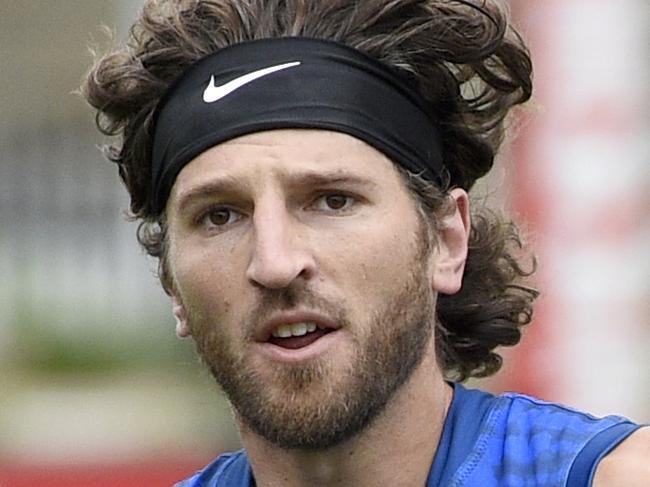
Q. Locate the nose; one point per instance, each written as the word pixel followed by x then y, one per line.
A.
pixel 280 253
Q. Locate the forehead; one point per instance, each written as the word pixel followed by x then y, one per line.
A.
pixel 288 154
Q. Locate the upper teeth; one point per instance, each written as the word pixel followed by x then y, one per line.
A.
pixel 293 329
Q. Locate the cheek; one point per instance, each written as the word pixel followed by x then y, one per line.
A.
pixel 205 279
pixel 388 260
pixel 378 261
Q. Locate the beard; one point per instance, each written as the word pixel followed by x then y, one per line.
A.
pixel 320 404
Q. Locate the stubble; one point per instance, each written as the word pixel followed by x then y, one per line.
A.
pixel 320 404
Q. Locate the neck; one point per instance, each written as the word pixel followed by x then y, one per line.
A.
pixel 396 449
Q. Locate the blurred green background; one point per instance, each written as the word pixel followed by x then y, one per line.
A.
pixel 90 368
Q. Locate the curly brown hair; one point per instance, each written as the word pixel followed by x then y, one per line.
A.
pixel 467 62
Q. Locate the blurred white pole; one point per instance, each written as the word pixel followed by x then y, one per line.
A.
pixel 583 177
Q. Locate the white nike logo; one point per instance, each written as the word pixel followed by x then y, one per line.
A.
pixel 214 93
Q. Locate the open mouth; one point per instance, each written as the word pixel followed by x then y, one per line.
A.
pixel 297 335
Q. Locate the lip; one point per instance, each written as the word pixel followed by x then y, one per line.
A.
pixel 263 334
pixel 335 340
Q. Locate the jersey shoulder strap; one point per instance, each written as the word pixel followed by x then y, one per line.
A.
pixel 526 441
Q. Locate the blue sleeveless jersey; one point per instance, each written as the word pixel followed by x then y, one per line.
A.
pixel 506 441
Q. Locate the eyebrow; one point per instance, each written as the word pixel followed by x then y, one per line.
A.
pixel 316 179
pixel 230 185
pixel 210 189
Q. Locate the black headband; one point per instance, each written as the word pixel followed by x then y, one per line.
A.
pixel 291 83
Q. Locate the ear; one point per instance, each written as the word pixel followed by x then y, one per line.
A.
pixel 178 310
pixel 449 264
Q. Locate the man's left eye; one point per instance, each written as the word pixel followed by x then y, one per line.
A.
pixel 334 201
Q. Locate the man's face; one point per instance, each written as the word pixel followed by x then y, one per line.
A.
pixel 304 270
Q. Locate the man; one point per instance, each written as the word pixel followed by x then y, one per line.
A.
pixel 301 170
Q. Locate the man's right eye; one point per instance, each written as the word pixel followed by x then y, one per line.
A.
pixel 219 217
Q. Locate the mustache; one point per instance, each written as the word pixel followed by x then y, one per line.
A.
pixel 277 300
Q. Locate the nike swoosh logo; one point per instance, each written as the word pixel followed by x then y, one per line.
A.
pixel 215 93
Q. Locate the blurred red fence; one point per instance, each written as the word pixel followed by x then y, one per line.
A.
pixel 145 474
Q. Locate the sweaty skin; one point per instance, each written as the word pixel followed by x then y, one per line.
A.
pixel 327 217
